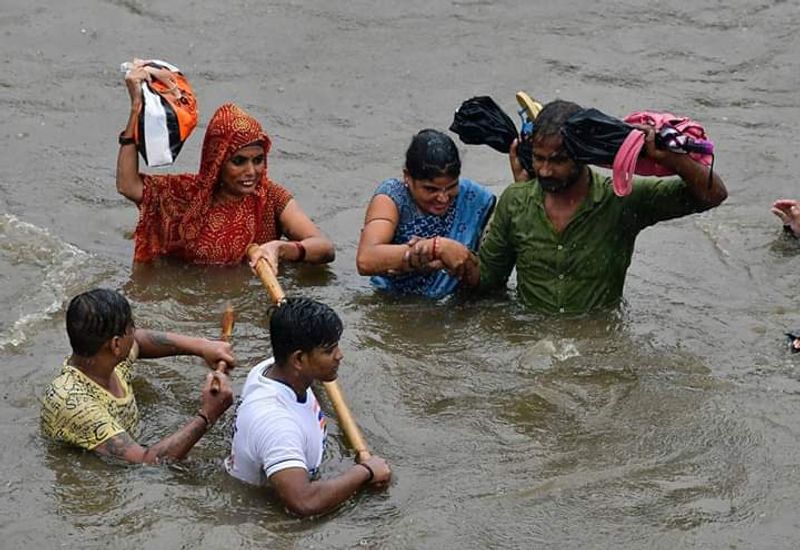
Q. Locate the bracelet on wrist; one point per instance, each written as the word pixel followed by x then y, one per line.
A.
pixel 371 473
pixel 125 140
pixel 301 251
pixel 204 418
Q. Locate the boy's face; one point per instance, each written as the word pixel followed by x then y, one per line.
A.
pixel 322 363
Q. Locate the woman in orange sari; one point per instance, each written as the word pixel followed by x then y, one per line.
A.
pixel 211 217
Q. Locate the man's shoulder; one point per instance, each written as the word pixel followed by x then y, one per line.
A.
pixel 266 418
pixel 520 187
pixel 392 188
pixel 263 398
pixel 67 384
pixel 519 192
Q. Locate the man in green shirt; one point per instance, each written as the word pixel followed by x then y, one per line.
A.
pixel 570 238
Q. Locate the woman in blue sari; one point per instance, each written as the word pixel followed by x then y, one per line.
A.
pixel 421 233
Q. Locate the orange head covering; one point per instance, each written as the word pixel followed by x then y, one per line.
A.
pixel 174 209
pixel 229 130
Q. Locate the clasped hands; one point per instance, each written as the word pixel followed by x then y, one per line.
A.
pixel 426 255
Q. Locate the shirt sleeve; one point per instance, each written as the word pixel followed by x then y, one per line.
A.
pixel 392 188
pixel 654 199
pixel 497 255
pixel 280 196
pixel 279 445
pixel 277 199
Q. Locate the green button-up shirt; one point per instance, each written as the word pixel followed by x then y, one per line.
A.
pixel 584 266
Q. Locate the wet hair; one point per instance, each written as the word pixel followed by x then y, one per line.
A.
pixel 552 117
pixel 94 317
pixel 302 324
pixel 432 154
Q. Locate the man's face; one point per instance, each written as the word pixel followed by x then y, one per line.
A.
pixel 554 169
pixel 322 363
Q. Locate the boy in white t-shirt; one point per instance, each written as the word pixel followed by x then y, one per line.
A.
pixel 279 433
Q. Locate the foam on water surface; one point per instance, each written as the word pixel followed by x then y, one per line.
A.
pixel 49 271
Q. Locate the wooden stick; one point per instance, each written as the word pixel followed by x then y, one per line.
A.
pixel 228 319
pixel 346 420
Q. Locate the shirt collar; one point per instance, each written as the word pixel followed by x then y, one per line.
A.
pixel 289 390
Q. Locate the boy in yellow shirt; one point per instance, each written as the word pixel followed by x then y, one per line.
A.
pixel 91 403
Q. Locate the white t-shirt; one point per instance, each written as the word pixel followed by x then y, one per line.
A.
pixel 273 431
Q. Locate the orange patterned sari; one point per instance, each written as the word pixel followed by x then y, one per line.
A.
pixel 177 216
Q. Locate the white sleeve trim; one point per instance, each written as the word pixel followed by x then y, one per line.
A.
pixel 280 445
pixel 284 465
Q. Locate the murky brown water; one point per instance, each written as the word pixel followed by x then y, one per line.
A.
pixel 669 424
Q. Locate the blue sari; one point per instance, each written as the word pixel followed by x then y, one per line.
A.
pixel 464 222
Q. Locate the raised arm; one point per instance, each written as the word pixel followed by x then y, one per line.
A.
pixel 695 175
pixel 310 498
pixel 129 182
pixel 517 170
pixel 163 344
pixel 176 446
pixel 307 243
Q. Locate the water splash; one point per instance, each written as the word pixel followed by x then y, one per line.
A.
pixel 56 266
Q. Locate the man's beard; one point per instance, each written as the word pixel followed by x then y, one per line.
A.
pixel 552 185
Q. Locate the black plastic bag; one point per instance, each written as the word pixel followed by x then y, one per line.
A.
pixel 480 121
pixel 593 137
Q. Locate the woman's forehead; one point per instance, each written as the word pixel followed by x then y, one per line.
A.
pixel 250 150
pixel 440 181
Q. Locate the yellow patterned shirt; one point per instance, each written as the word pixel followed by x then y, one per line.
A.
pixel 76 410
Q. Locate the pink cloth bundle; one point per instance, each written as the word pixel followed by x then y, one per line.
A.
pixel 676 133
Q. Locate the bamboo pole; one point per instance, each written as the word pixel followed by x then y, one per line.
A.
pixel 228 319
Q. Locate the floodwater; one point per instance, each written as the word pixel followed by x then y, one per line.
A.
pixel 670 423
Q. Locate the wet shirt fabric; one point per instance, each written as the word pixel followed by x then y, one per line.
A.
pixel 178 216
pixel 584 266
pixel 464 222
pixel 78 411
pixel 274 431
